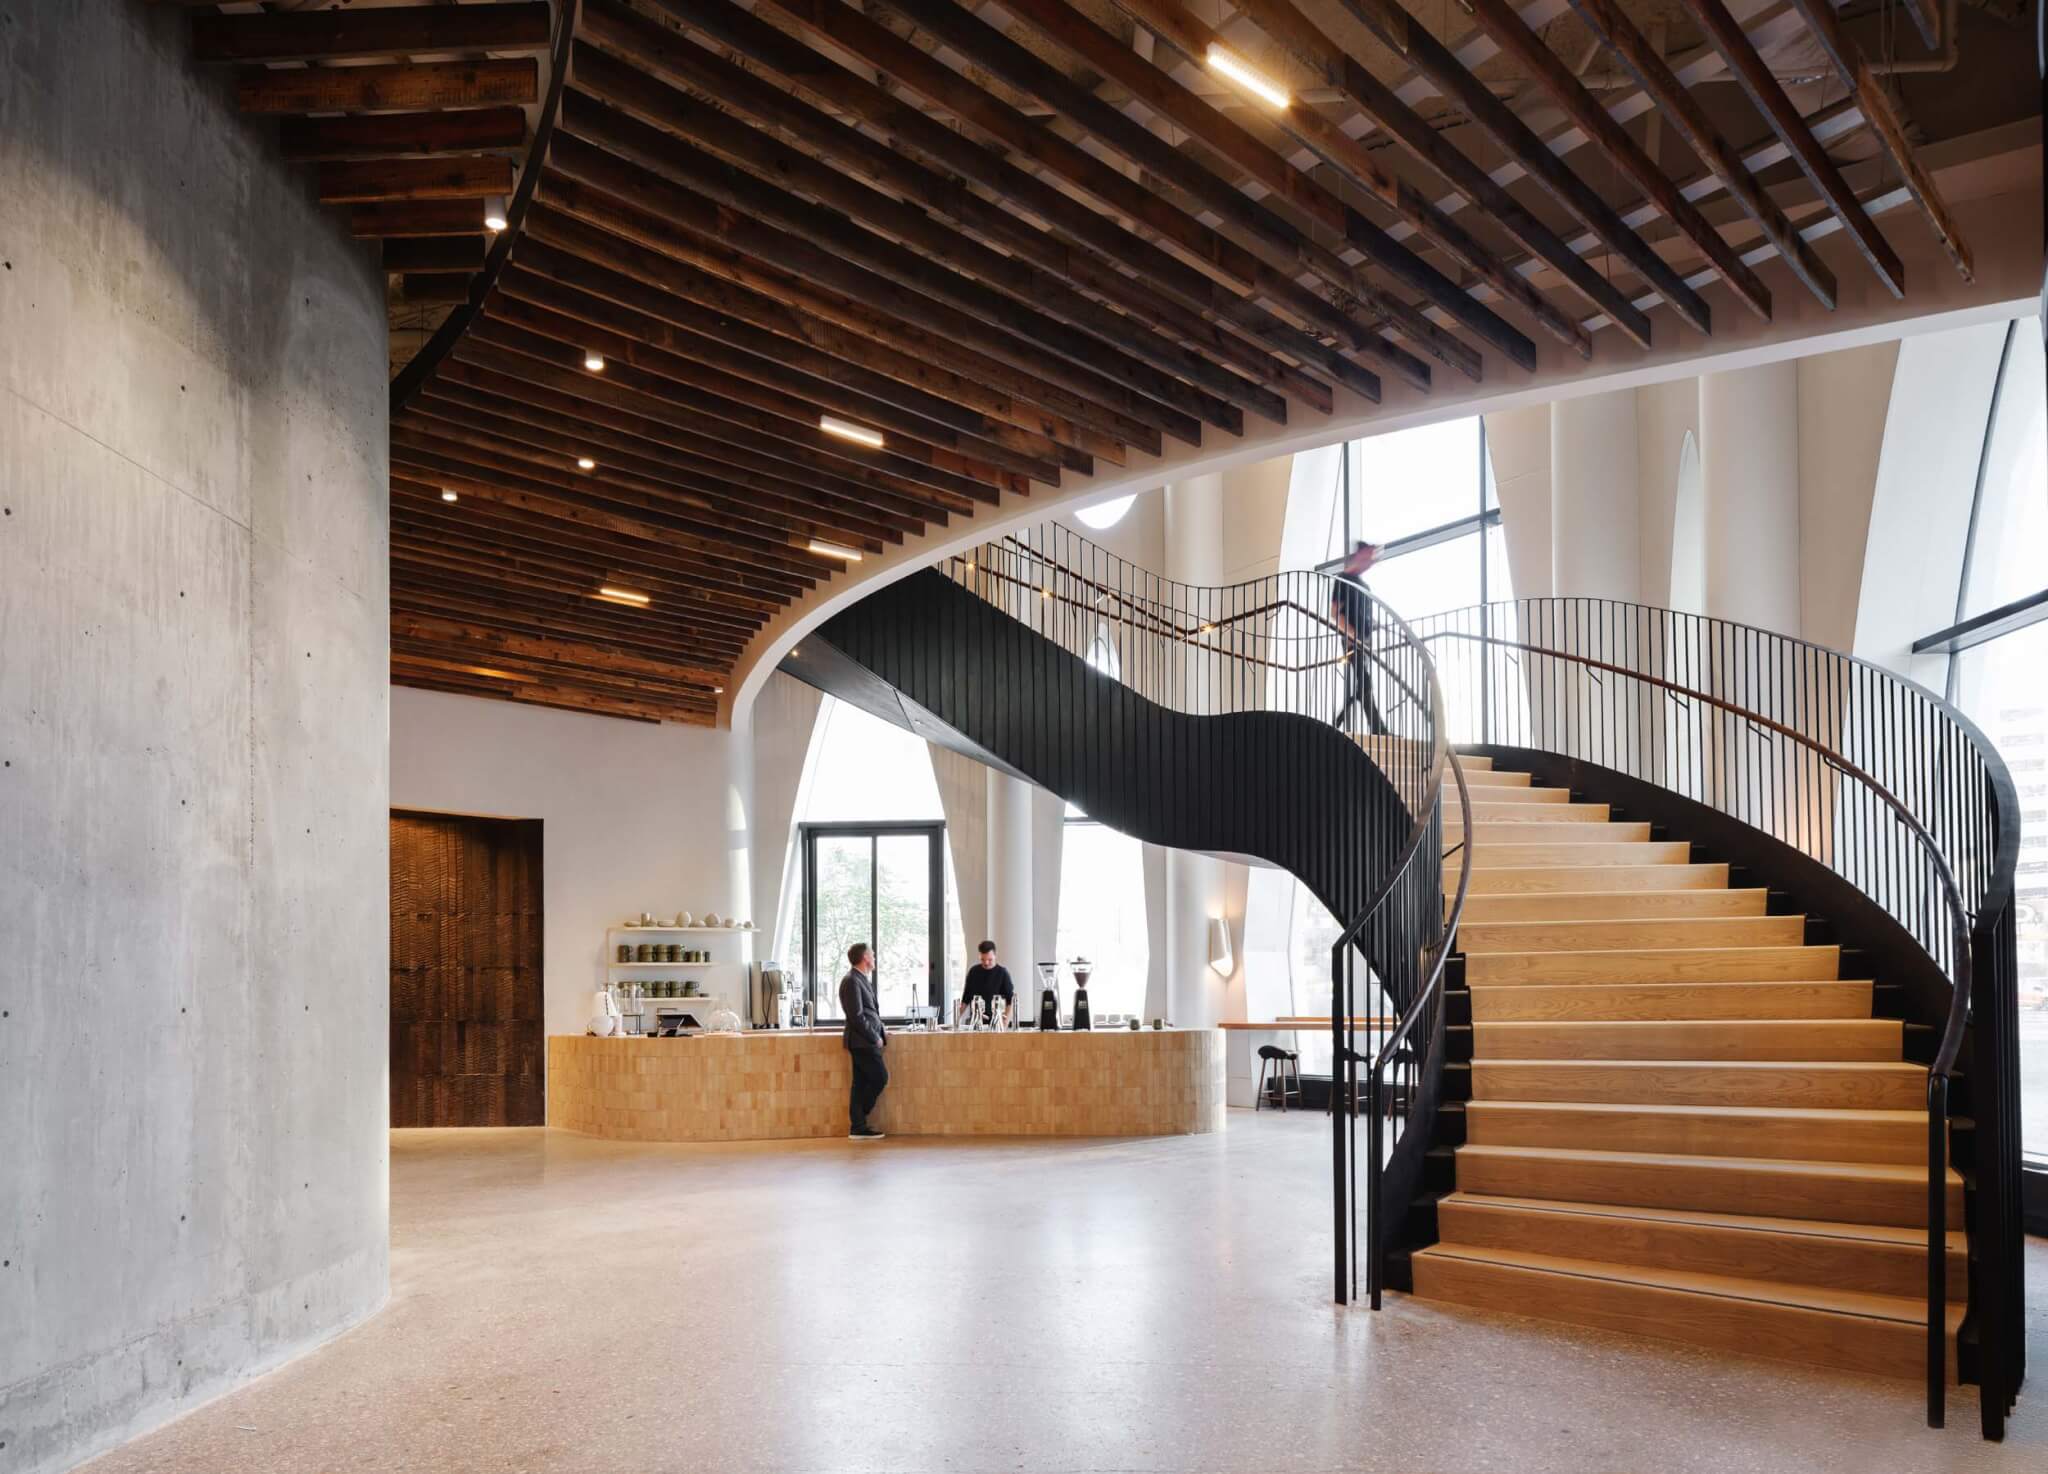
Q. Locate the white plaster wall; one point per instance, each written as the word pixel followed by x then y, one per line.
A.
pixel 1844 400
pixel 194 998
pixel 1518 445
pixel 1665 414
pixel 784 720
pixel 635 817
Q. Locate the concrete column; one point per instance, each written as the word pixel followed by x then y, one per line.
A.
pixel 1749 465
pixel 1593 544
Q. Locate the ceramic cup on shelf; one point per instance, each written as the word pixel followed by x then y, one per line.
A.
pixel 625 951
pixel 644 952
pixel 647 918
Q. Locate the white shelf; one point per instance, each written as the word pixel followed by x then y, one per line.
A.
pixel 673 930
pixel 675 964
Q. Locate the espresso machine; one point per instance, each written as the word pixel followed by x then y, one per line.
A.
pixel 1082 969
pixel 1049 996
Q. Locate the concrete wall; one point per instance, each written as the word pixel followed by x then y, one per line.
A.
pixel 193 704
pixel 635 817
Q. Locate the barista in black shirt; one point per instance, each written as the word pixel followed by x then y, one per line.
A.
pixel 987 979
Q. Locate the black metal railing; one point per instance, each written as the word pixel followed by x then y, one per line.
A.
pixel 1300 645
pixel 1858 769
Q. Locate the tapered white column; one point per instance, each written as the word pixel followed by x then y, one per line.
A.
pixel 1593 529
pixel 1009 884
pixel 1749 467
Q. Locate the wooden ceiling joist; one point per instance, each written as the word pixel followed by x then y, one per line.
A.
pixel 403 219
pixel 1642 61
pixel 1764 89
pixel 1296 34
pixel 403 135
pixel 463 253
pixel 401 87
pixel 370 181
pixel 336 35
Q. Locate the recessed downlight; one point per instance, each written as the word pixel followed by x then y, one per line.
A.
pixel 845 430
pixel 614 595
pixel 834 550
pixel 585 463
pixel 1227 63
pixel 494 213
pixel 447 495
pixel 593 360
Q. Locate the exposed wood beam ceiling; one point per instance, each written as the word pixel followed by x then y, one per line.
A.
pixel 1001 243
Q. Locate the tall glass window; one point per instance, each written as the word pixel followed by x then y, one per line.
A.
pixel 1102 914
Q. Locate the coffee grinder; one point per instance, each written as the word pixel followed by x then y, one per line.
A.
pixel 1082 969
pixel 1049 997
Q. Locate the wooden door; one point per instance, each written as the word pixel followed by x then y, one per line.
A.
pixel 468 1030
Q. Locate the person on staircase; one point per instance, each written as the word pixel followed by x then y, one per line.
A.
pixel 1351 612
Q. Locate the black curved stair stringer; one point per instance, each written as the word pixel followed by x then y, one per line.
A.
pixel 1292 791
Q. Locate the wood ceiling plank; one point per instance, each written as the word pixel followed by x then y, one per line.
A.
pixel 611 195
pixel 333 35
pixel 1727 37
pixel 464 253
pixel 1151 84
pixel 1213 253
pixel 1854 70
pixel 919 289
pixel 569 652
pixel 1097 254
pixel 416 218
pixel 1293 31
pixel 535 388
pixel 1286 247
pixel 402 135
pixel 1392 24
pixel 1619 148
pixel 1192 37
pixel 405 87
pixel 368 181
pixel 419 567
pixel 1150 324
pixel 1633 50
pixel 661 346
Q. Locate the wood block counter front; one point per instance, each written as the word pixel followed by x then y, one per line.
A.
pixel 776 1084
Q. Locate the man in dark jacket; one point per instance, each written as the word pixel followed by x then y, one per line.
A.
pixel 1351 611
pixel 865 1039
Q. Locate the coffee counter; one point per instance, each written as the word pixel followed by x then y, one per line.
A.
pixel 772 1084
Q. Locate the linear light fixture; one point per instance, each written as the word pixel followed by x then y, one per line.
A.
pixel 494 213
pixel 622 596
pixel 593 360
pixel 447 495
pixel 858 434
pixel 834 550
pixel 1228 63
pixel 585 463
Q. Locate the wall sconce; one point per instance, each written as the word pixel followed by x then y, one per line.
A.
pixel 1220 956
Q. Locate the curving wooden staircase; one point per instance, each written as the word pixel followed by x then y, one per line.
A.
pixel 1684 1120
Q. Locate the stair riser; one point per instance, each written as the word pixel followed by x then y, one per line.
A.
pixel 1769 1039
pixel 1675 965
pixel 1542 879
pixel 1541 1002
pixel 1486 811
pixel 1789 1333
pixel 1595 906
pixel 1713 1188
pixel 1793 1258
pixel 1590 855
pixel 1488 834
pixel 1655 1084
pixel 1488 779
pixel 1848 1140
pixel 1476 936
pixel 1494 793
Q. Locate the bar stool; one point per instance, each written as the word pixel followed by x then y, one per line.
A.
pixel 1286 1067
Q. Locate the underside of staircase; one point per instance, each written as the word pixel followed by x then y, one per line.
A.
pixel 1689 1115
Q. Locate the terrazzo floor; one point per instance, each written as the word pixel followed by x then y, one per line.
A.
pixel 910 1307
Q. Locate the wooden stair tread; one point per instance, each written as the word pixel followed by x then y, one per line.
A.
pixel 1595 906
pixel 1629 933
pixel 1815 1114
pixel 1875 1233
pixel 1714 1000
pixel 1591 853
pixel 1819 1172
pixel 1857 1303
pixel 1546 879
pixel 1847 1066
pixel 1791 962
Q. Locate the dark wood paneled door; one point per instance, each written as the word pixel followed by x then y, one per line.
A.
pixel 468 1043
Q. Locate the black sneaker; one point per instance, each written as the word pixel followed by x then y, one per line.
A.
pixel 866 1133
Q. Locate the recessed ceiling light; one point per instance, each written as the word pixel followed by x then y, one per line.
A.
pixel 858 434
pixel 494 213
pixel 593 360
pixel 613 595
pixel 718 690
pixel 447 495
pixel 1229 64
pixel 585 463
pixel 834 550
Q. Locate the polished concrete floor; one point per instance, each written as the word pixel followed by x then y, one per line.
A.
pixel 561 1304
